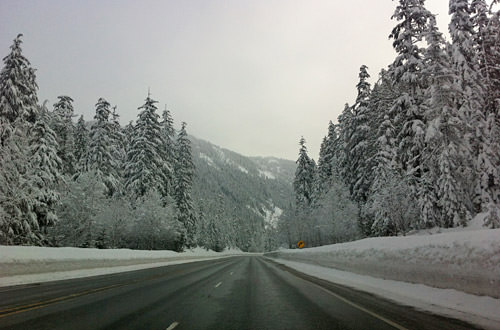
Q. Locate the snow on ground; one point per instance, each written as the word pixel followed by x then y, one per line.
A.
pixel 468 261
pixel 242 169
pixel 267 175
pixel 29 264
pixel 209 160
pixel 480 310
pixel 272 216
pixel 454 272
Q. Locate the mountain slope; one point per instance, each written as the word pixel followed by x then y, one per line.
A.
pixel 255 191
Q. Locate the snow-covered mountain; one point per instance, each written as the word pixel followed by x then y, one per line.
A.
pixel 254 189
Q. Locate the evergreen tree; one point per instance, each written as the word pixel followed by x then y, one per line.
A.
pixel 18 88
pixel 117 139
pixel 99 158
pixel 64 129
pixel 470 103
pixel 343 155
pixel 303 183
pixel 169 156
pixel 441 178
pixel 406 72
pixel 44 173
pixel 184 172
pixel 16 200
pixel 360 144
pixel 81 143
pixel 18 112
pixel 145 168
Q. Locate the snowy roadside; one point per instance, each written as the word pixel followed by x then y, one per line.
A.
pixel 28 264
pixel 467 261
pixel 479 310
pixel 453 272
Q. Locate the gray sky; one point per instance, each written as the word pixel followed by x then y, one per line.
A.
pixel 251 76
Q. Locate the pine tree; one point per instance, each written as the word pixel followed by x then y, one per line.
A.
pixel 18 112
pixel 144 170
pixel 81 143
pixel 64 129
pixel 343 155
pixel 18 88
pixel 359 144
pixel 444 189
pixel 303 183
pixel 117 139
pixel 15 189
pixel 184 172
pixel 487 47
pixel 328 166
pixel 169 157
pixel 44 173
pixel 99 158
pixel 324 168
pixel 470 102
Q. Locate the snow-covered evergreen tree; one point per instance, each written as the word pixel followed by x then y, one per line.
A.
pixel 63 127
pixel 99 158
pixel 145 168
pixel 168 150
pixel 117 139
pixel 81 144
pixel 471 102
pixel 18 112
pixel 444 188
pixel 303 183
pixel 44 173
pixel 18 88
pixel 184 172
pixel 360 140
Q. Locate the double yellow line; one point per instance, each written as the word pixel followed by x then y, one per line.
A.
pixel 24 308
pixel 40 304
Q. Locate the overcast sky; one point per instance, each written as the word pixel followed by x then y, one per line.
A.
pixel 251 76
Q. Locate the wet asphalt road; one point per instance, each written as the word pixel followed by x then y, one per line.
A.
pixel 249 292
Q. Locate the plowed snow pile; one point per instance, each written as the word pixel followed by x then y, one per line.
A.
pixel 467 260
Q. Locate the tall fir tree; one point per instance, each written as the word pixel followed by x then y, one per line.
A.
pixel 144 169
pixel 99 158
pixel 63 127
pixel 18 113
pixel 184 172
pixel 407 109
pixel 45 173
pixel 360 144
pixel 470 103
pixel 81 143
pixel 18 88
pixel 168 151
pixel 303 183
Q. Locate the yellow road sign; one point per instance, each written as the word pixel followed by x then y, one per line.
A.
pixel 301 244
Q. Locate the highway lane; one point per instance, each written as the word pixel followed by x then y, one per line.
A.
pixel 248 292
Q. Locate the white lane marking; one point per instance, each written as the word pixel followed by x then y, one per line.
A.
pixel 218 284
pixel 231 273
pixel 361 308
pixel 172 326
pixel 391 323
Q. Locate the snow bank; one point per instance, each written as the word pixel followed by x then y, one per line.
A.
pixel 29 264
pixel 468 261
pixel 480 310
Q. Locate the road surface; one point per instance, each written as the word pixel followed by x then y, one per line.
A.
pixel 249 292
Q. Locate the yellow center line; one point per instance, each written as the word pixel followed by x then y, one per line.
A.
pixel 40 304
pixel 24 308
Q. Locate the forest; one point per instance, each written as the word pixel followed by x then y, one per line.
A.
pixel 418 149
